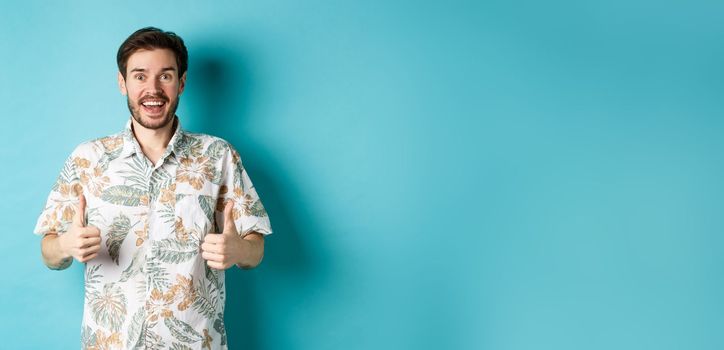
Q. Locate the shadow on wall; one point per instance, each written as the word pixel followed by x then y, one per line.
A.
pixel 219 93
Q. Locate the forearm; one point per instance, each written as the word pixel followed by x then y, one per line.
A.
pixel 255 251
pixel 53 256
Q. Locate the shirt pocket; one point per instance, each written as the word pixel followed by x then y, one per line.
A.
pixel 195 212
pixel 117 225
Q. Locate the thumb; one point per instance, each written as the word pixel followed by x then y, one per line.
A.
pixel 79 217
pixel 229 226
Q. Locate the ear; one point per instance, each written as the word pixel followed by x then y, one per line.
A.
pixel 182 83
pixel 122 84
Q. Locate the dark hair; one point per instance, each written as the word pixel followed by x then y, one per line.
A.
pixel 153 38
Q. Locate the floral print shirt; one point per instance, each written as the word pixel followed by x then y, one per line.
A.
pixel 149 287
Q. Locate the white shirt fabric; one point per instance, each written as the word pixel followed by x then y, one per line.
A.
pixel 149 287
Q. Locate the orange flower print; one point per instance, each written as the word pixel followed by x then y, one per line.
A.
pixel 69 193
pixel 181 233
pixel 143 199
pixel 168 195
pixel 158 305
pixel 242 202
pixel 51 221
pixel 195 171
pixel 95 182
pixel 207 340
pixel 73 189
pixel 112 143
pixel 235 157
pixel 81 162
pixel 184 288
pixel 142 235
pixel 103 342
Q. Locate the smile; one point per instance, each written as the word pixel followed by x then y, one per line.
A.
pixel 153 103
pixel 153 107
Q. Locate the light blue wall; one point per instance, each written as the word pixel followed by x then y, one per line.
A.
pixel 459 175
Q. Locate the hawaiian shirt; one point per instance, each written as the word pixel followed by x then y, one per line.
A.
pixel 149 287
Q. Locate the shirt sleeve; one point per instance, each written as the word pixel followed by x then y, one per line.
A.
pixel 248 213
pixel 62 201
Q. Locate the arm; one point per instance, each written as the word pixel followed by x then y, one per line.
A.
pixel 80 242
pixel 53 256
pixel 255 251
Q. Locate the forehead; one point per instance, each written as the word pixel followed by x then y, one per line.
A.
pixel 152 60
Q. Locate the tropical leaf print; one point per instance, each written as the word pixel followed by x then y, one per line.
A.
pixel 108 307
pixel 212 276
pixel 206 300
pixel 257 209
pixel 136 266
pixel 117 232
pixel 189 146
pixel 238 171
pixel 167 213
pixel 111 147
pixel 180 196
pixel 138 322
pixel 160 179
pixel 216 177
pixel 216 149
pixel 177 346
pixel 135 172
pixel 92 276
pixel 171 250
pixel 93 216
pixel 123 195
pixel 149 340
pixel 87 337
pixel 157 274
pixel 182 331
pixel 207 204
pixel 220 327
pixel 67 174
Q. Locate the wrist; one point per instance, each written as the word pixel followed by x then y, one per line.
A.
pixel 64 254
pixel 252 255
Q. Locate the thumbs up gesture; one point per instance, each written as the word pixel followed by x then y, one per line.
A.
pixel 224 250
pixel 80 242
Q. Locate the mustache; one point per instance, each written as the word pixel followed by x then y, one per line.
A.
pixel 161 97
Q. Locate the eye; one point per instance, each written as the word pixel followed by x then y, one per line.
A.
pixel 165 76
pixel 140 77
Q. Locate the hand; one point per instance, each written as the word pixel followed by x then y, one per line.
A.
pixel 223 250
pixel 80 242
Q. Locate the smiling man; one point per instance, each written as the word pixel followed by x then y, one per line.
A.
pixel 155 213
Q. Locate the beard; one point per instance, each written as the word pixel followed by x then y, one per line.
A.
pixel 135 109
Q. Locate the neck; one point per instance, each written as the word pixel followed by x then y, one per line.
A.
pixel 153 139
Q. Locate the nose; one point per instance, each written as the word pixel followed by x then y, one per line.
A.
pixel 155 85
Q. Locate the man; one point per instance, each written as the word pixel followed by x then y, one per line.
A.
pixel 156 214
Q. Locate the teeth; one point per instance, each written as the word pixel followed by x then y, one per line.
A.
pixel 153 103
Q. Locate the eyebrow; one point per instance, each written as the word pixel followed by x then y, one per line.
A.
pixel 144 69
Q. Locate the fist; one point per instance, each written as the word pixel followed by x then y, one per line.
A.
pixel 80 242
pixel 223 250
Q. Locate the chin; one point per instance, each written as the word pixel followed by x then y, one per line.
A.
pixel 154 123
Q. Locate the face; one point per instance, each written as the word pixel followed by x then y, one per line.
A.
pixel 152 87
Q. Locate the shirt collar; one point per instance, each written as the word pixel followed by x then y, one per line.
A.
pixel 131 145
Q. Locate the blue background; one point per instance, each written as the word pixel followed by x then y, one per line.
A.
pixel 439 175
